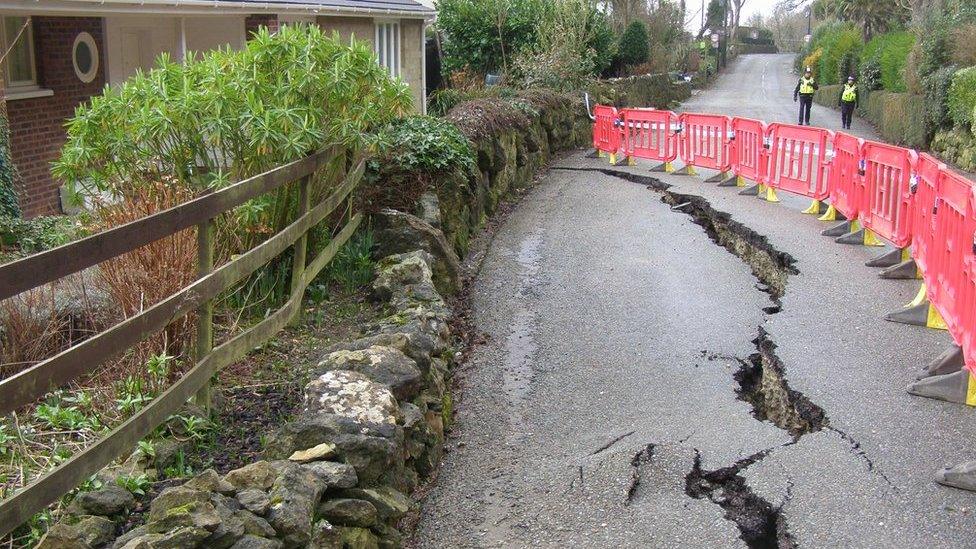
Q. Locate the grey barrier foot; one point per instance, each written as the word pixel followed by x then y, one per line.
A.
pixel 854 237
pixel 886 259
pixel 962 476
pixel 752 190
pixel 622 161
pixel 842 228
pixel 949 361
pixel 906 270
pixel 593 154
pixel 717 178
pixel 916 316
pixel 730 182
pixel 948 387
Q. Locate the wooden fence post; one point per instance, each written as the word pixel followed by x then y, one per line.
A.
pixel 301 245
pixel 204 339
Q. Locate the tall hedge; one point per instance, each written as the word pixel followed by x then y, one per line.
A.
pixel 962 97
pixel 841 48
pixel 890 50
pixel 634 48
pixel 8 196
pixel 486 35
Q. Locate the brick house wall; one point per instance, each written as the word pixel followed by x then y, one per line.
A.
pixel 253 22
pixel 37 124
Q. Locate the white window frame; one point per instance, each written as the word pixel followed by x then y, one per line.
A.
pixel 388 45
pixel 25 89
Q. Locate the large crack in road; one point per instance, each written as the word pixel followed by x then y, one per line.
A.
pixel 761 378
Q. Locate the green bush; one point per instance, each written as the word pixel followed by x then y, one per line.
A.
pixel 486 35
pixel 634 47
pixel 962 97
pixel 8 172
pixel 870 74
pixel 37 234
pixel 936 87
pixel 891 52
pixel 603 41
pixel 840 51
pixel 232 114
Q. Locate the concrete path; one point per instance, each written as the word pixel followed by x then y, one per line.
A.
pixel 617 400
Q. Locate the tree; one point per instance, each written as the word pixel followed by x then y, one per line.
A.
pixel 634 48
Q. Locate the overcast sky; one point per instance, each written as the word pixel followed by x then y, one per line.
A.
pixel 764 7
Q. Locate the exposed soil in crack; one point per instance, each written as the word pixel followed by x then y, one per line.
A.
pixel 637 463
pixel 761 524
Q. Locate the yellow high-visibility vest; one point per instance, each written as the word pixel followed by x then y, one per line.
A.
pixel 850 93
pixel 806 85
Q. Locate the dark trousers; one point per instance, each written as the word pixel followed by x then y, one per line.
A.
pixel 806 101
pixel 846 113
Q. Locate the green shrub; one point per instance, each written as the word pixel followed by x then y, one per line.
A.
pixel 962 97
pixel 486 35
pixel 634 47
pixel 8 173
pixel 870 73
pixel 603 41
pixel 563 56
pixel 840 47
pixel 936 88
pixel 37 234
pixel 899 117
pixel 891 52
pixel 232 114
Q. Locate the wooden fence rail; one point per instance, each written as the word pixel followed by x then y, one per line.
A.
pixel 30 384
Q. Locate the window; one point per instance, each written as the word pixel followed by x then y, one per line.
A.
pixel 388 46
pixel 18 38
pixel 84 56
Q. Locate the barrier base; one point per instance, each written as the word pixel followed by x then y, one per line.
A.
pixel 906 270
pixel 923 314
pixel 832 214
pixel 752 190
pixel 626 161
pixel 817 208
pixel 949 361
pixel 958 387
pixel 889 258
pixel 686 170
pixel 771 195
pixel 593 154
pixel 837 230
pixel 733 181
pixel 665 167
pixel 613 159
pixel 962 476
pixel 860 237
pixel 718 178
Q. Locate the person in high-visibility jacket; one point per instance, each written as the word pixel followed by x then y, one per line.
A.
pixel 804 91
pixel 847 102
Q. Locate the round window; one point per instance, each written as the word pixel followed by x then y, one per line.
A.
pixel 84 55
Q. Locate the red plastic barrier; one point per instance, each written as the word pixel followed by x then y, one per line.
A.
pixel 606 134
pixel 798 159
pixel 925 189
pixel 748 148
pixel 705 141
pixel 844 178
pixel 649 133
pixel 954 225
pixel 887 202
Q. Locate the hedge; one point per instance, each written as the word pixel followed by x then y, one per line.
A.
pixel 899 118
pixel 962 97
pixel 836 45
pixel 891 50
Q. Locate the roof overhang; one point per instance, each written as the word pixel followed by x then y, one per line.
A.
pixel 197 7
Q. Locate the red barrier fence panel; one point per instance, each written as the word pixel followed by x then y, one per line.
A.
pixel 649 133
pixel 925 189
pixel 798 160
pixel 748 148
pixel 705 141
pixel 967 340
pixel 887 203
pixel 606 134
pixel 844 181
pixel 954 225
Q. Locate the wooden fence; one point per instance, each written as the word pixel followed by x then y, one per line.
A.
pixel 28 385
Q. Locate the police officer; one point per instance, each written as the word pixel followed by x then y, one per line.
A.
pixel 847 101
pixel 804 90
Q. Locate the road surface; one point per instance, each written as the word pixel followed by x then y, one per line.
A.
pixel 613 403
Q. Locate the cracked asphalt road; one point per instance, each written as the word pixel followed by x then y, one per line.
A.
pixel 614 322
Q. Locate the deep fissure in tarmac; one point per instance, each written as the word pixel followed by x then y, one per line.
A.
pixel 640 459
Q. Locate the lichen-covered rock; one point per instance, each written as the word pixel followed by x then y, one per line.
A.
pixel 357 538
pixel 429 209
pixel 108 501
pixel 254 500
pixel 259 475
pixel 210 481
pixel 334 475
pixel 398 271
pixel 399 233
pixel 419 351
pixel 256 542
pixel 391 505
pixel 420 441
pixel 348 512
pixel 84 533
pixel 352 395
pixel 294 495
pixel 318 452
pixel 385 365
